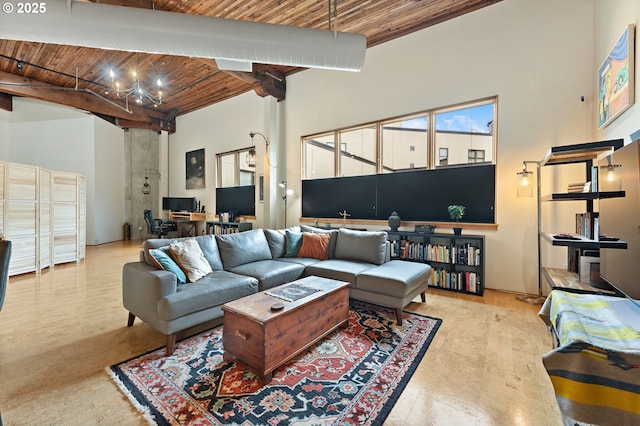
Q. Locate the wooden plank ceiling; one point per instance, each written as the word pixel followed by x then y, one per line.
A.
pixel 74 76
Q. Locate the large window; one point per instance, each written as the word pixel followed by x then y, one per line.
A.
pixel 235 169
pixel 358 151
pixel 467 133
pixel 457 135
pixel 319 152
pixel 404 144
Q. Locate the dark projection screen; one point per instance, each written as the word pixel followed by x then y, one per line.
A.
pixel 417 195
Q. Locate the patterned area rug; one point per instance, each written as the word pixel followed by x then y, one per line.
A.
pixel 354 376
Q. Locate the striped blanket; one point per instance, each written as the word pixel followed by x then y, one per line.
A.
pixel 595 368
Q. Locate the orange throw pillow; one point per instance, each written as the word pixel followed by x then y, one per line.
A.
pixel 314 245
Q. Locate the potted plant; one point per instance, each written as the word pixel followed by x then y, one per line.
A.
pixel 456 211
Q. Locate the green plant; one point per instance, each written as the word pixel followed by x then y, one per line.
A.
pixel 456 211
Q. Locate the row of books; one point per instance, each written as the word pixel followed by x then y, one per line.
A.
pixel 223 230
pixel 464 254
pixel 464 281
pixel 588 225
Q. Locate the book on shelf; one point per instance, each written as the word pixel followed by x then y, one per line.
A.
pixel 576 187
pixel 586 225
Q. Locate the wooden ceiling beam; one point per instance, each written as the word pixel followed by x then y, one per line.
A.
pixel 20 86
pixel 265 80
pixel 154 123
pixel 6 102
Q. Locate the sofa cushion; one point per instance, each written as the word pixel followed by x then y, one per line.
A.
pixel 276 240
pixel 314 245
pixel 189 256
pixel 332 241
pixel 293 243
pixel 364 246
pixel 395 278
pixel 271 273
pixel 214 289
pixel 210 250
pixel 337 269
pixel 162 259
pixel 243 247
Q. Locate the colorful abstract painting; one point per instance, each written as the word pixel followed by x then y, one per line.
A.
pixel 616 79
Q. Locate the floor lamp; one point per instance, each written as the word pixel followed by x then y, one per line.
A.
pixel 287 192
pixel 525 190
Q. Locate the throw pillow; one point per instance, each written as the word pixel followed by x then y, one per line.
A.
pixel 314 245
pixel 189 256
pixel 332 241
pixel 161 258
pixel 293 243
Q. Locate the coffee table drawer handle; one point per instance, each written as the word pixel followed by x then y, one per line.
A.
pixel 242 336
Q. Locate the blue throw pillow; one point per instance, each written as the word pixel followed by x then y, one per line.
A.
pixel 163 260
pixel 293 243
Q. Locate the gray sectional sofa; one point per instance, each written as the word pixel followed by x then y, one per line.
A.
pixel 248 262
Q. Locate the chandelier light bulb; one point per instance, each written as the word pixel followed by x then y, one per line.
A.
pixel 135 89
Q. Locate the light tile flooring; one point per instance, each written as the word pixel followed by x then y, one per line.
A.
pixel 61 328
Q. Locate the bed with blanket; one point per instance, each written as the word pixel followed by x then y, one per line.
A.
pixel 595 366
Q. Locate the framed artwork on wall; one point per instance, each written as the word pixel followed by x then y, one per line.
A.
pixel 616 77
pixel 195 169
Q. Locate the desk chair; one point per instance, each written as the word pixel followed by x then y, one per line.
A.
pixel 157 227
pixel 5 257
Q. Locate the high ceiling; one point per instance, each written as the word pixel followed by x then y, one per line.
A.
pixel 79 76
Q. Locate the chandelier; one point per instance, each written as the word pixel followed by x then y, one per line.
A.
pixel 136 90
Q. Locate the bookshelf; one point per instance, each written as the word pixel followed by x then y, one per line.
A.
pixel 577 243
pixel 220 228
pixel 457 261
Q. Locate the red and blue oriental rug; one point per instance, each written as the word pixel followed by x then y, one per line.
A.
pixel 354 376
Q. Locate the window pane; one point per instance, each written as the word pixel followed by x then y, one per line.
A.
pixel 227 170
pixel 404 144
pixel 464 130
pixel 319 157
pixel 247 168
pixel 358 152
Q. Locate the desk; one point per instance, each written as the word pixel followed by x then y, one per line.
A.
pixel 595 368
pixel 187 223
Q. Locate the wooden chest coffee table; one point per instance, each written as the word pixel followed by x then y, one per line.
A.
pixel 264 339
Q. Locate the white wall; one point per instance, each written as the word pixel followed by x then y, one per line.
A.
pixel 4 134
pixel 107 199
pixel 219 128
pixel 537 57
pixel 65 139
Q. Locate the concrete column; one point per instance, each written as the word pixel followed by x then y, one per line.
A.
pixel 142 159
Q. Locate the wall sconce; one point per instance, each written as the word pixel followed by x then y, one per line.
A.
pixel 146 188
pixel 525 182
pixel 609 176
pixel 251 155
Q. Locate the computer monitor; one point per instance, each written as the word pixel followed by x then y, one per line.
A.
pixel 179 204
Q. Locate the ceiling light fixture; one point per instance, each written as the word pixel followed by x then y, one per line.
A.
pixel 136 89
pixel 104 26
